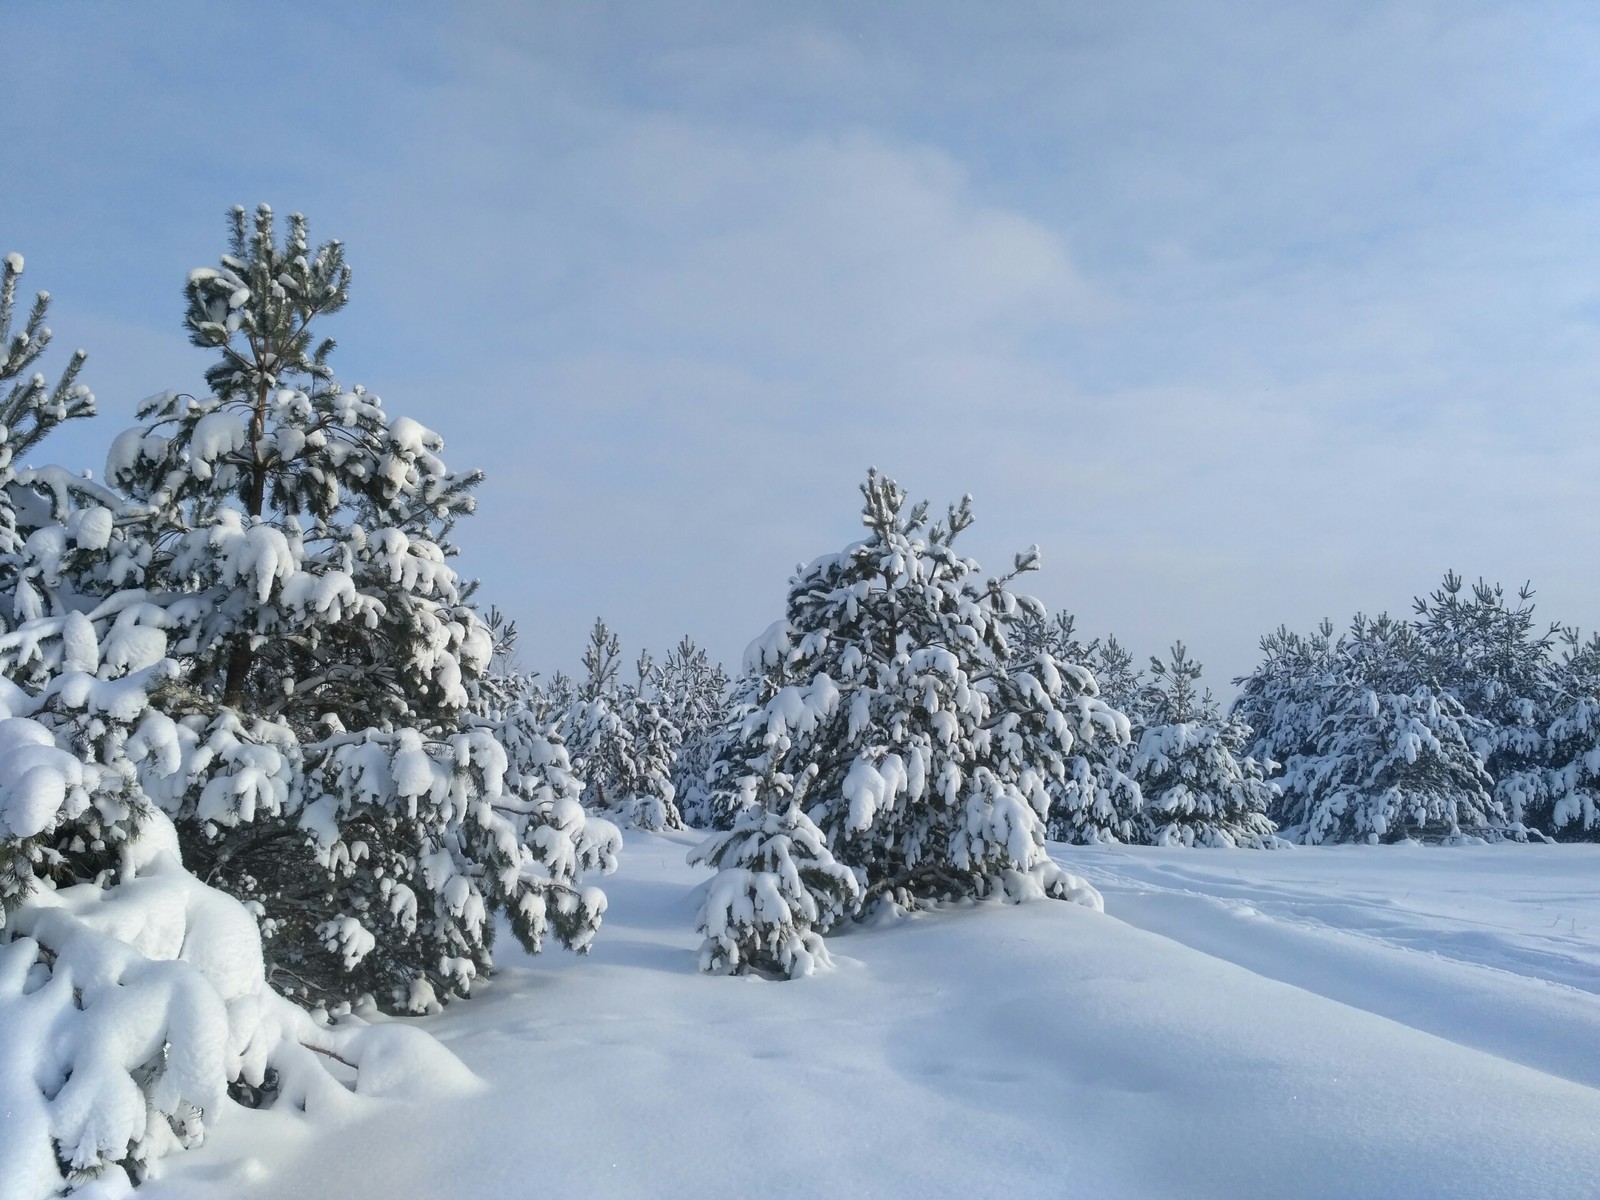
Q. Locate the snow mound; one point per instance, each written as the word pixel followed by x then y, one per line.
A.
pixel 133 1013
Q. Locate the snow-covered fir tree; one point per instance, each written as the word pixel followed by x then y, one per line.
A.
pixel 932 743
pixel 777 889
pixel 330 658
pixel 1099 799
pixel 1199 787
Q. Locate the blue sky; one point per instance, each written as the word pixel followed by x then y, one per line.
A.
pixel 1247 313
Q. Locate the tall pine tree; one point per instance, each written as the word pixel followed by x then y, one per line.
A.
pixel 1488 652
pixel 343 781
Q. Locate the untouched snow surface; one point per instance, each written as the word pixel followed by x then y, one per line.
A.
pixel 1350 1022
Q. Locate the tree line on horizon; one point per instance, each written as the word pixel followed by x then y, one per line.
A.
pixel 1468 721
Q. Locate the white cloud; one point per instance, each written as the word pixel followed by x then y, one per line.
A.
pixel 845 251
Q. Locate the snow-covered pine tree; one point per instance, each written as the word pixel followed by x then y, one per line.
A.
pixel 550 698
pixel 60 547
pixel 646 797
pixel 591 724
pixel 1173 693
pixel 1057 634
pixel 1391 757
pixel 329 655
pixel 622 742
pixel 777 889
pixel 730 748
pixel 1199 787
pixel 133 997
pixel 892 675
pixel 1489 653
pixel 1573 743
pixel 1099 799
pixel 1574 779
pixel 506 684
pixel 65 635
pixel 1577 672
pixel 1121 682
pixel 29 407
pixel 135 1013
pixel 694 694
pixel 1283 701
pixel 315 521
pixel 538 802
pixel 602 663
pixel 71 823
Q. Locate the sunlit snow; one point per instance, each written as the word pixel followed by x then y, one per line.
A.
pixel 1342 1022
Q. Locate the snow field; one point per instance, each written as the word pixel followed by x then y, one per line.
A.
pixel 1354 1022
pixel 1493 951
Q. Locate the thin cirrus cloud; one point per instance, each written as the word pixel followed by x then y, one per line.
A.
pixel 1247 313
